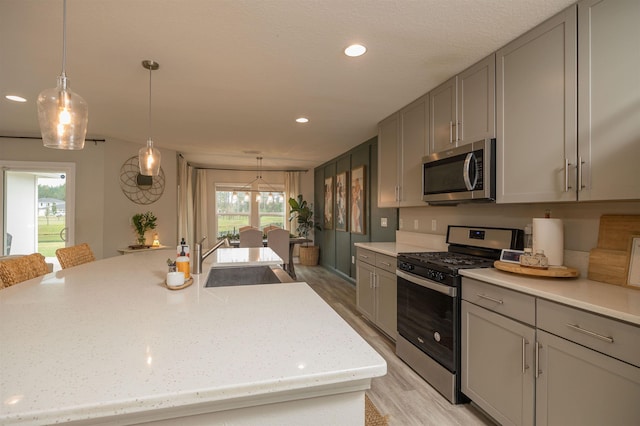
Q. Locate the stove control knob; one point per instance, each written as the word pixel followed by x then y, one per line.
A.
pixel 440 276
pixel 436 336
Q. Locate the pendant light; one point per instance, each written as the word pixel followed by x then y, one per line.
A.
pixel 62 114
pixel 149 157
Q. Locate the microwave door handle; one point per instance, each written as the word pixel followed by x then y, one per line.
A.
pixel 466 172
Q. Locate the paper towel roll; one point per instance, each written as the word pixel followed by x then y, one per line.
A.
pixel 548 235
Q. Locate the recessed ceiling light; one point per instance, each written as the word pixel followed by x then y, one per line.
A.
pixel 302 120
pixel 355 50
pixel 16 98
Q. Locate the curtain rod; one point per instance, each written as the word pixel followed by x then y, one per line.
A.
pixel 247 170
pixel 95 141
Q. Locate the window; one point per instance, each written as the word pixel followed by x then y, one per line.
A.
pixel 232 212
pixel 259 208
pixel 271 209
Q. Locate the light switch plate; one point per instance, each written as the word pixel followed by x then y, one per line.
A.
pixel 634 264
pixel 383 222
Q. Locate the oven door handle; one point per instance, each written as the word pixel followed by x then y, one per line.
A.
pixel 431 285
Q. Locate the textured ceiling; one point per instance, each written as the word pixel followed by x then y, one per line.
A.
pixel 235 74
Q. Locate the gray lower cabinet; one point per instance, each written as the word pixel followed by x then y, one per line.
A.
pixel 527 360
pixel 497 352
pixel 587 368
pixel 376 290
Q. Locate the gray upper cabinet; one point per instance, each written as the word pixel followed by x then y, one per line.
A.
pixel 402 142
pixel 536 113
pixel 443 119
pixel 463 107
pixel 388 164
pixel 609 99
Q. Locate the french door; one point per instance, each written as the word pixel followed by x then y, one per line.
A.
pixel 38 204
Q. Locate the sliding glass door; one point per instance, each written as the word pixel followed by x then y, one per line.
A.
pixel 38 207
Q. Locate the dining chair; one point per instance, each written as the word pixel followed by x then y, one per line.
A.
pixel 14 270
pixel 278 241
pixel 269 228
pixel 74 255
pixel 251 238
pixel 245 228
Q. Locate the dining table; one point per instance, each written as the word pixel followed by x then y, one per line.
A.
pixel 293 241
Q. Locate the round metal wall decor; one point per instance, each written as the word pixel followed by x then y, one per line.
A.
pixel 138 188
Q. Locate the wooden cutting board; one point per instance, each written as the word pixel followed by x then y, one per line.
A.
pixel 551 272
pixel 609 262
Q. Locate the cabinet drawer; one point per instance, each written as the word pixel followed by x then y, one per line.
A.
pixel 513 304
pixel 366 256
pixel 387 263
pixel 611 337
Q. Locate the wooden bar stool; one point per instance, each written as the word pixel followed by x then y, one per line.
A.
pixel 17 269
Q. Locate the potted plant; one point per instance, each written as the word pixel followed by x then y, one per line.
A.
pixel 142 222
pixel 302 213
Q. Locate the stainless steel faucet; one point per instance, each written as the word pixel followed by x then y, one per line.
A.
pixel 199 257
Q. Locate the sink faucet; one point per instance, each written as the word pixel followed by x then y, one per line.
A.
pixel 199 257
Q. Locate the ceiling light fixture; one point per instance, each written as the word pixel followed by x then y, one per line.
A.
pixel 246 189
pixel 355 50
pixel 149 157
pixel 302 120
pixel 16 98
pixel 62 114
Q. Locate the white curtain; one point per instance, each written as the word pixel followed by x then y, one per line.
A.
pixel 201 227
pixel 185 201
pixel 291 190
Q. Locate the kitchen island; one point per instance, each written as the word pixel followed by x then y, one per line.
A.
pixel 107 342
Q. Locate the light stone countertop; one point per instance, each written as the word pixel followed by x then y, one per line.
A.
pixel 246 255
pixel 391 248
pixel 108 339
pixel 601 298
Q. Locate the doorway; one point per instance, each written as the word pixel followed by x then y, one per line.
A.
pixel 38 208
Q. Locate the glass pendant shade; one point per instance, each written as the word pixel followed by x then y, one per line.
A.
pixel 63 117
pixel 149 160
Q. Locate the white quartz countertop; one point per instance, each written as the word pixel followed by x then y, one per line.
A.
pixel 392 248
pixel 240 256
pixel 108 339
pixel 604 299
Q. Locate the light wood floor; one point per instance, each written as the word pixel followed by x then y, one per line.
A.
pixel 402 395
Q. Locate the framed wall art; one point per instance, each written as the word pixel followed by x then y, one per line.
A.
pixel 342 200
pixel 357 223
pixel 328 203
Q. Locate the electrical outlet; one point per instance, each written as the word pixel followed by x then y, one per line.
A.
pixel 383 222
pixel 434 224
pixel 634 267
pixel 415 224
pixel 353 259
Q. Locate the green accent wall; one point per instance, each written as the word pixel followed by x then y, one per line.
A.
pixel 337 247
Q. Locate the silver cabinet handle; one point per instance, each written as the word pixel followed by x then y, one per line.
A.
pixel 451 132
pixel 498 301
pixel 538 372
pixel 363 256
pixel 579 329
pixel 580 163
pixel 385 264
pixel 525 367
pixel 567 187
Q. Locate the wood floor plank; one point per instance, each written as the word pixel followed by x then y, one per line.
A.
pixel 401 394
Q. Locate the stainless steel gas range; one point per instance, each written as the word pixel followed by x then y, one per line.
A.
pixel 429 301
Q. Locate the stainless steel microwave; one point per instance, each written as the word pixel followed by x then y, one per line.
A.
pixel 462 174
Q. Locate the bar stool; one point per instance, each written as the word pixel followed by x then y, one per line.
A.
pixel 74 255
pixel 21 268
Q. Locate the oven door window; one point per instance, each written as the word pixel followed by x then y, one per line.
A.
pixel 427 319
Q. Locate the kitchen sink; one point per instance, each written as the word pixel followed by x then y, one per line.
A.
pixel 232 276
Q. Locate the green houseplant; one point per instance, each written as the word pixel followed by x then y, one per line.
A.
pixel 302 213
pixel 142 222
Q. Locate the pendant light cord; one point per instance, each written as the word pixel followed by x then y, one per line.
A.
pixel 150 69
pixel 64 36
